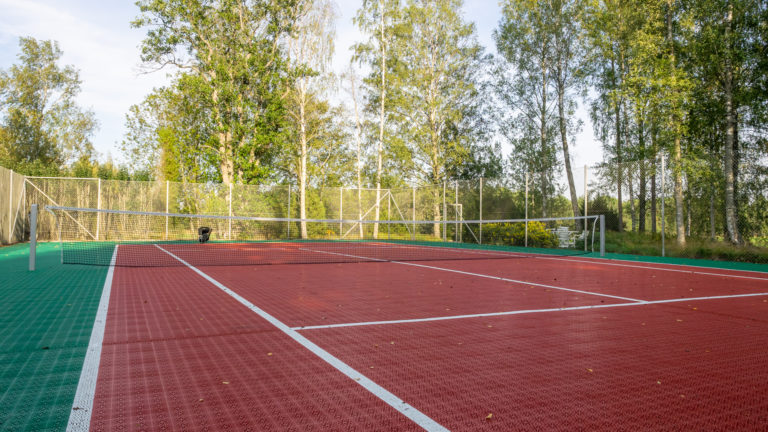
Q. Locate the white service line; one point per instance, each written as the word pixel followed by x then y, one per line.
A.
pixel 385 395
pixel 520 312
pixel 479 275
pixel 82 406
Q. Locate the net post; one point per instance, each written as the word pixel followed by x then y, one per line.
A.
pixel 602 235
pixel 229 222
pixel 480 240
pixel 413 211
pixel 167 195
pixel 663 178
pixel 98 207
pixel 32 237
pixel 526 209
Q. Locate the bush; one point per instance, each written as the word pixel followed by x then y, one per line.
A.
pixel 513 234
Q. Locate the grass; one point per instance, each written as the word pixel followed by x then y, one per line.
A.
pixel 650 245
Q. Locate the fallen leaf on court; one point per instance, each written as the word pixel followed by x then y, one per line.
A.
pixel 225 382
pixel 589 370
pixel 488 417
pixel 76 408
pixel 199 400
pixel 269 354
pixel 371 367
pixel 461 343
pixel 695 308
pixel 375 345
pixel 489 326
pixel 357 379
pixel 642 324
pixel 679 320
pixel 658 382
pixel 392 343
pixel 682 396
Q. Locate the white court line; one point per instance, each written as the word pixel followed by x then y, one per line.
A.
pixel 395 402
pixel 479 275
pixel 82 406
pixel 520 312
pixel 601 261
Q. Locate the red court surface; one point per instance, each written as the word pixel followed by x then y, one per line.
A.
pixel 571 347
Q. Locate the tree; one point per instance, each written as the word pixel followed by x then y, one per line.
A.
pixel 524 40
pixel 310 50
pixel 235 67
pixel 41 125
pixel 437 72
pixel 377 19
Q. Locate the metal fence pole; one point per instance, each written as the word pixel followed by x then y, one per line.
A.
pixel 389 214
pixel 289 211
pixel 413 211
pixel 663 178
pixel 10 209
pixel 341 211
pixel 602 235
pixel 167 200
pixel 456 209
pixel 480 240
pixel 32 237
pixel 445 215
pixel 229 224
pixel 586 210
pixel 526 209
pixel 98 206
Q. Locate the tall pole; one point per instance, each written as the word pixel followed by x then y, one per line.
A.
pixel 341 212
pixel 32 236
pixel 98 207
pixel 167 193
pixel 389 214
pixel 445 215
pixel 586 203
pixel 229 225
pixel 10 209
pixel 526 209
pixel 288 214
pixel 456 199
pixel 481 211
pixel 663 178
pixel 413 211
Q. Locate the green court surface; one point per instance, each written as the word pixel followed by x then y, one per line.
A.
pixel 46 318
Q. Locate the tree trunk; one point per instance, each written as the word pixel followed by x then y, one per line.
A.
pixel 226 164
pixel 619 177
pixel 731 217
pixel 566 154
pixel 712 214
pixel 359 167
pixel 678 174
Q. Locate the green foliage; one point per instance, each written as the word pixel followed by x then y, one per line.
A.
pixel 514 234
pixel 42 129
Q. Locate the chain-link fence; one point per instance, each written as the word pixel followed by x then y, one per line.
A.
pixel 13 223
pixel 651 207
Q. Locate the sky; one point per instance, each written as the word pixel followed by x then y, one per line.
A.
pixel 97 39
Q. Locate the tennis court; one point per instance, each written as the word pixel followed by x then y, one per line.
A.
pixel 380 336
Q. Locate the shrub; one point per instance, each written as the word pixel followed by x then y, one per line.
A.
pixel 513 234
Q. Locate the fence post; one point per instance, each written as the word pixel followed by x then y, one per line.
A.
pixel 445 215
pixel 389 214
pixel 456 209
pixel 32 236
pixel 341 212
pixel 413 211
pixel 480 240
pixel 98 207
pixel 663 178
pixel 10 208
pixel 289 211
pixel 526 209
pixel 229 224
pixel 167 194
pixel 602 235
pixel 586 210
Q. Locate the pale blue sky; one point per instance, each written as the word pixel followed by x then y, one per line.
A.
pixel 97 39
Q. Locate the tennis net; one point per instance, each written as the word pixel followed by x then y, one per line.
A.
pixel 149 239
